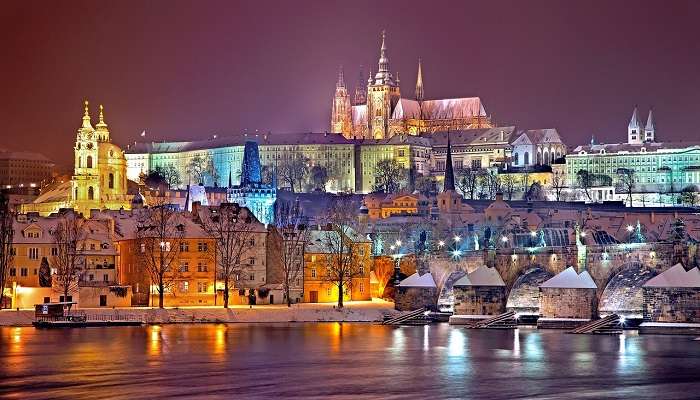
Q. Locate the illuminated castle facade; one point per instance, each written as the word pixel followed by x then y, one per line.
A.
pixel 99 176
pixel 378 111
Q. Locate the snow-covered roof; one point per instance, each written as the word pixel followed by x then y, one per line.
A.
pixel 482 276
pixel 416 280
pixel 569 279
pixel 406 108
pixel 676 276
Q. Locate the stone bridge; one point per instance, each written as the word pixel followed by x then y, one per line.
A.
pixel 619 271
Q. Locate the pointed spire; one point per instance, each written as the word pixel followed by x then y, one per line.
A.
pixel 86 117
pixel 419 82
pixel 341 79
pixel 383 75
pixel 101 125
pixel 651 126
pixel 449 172
pixel 369 78
pixel 634 121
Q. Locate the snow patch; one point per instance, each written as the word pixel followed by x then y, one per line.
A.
pixel 676 276
pixel 569 279
pixel 416 280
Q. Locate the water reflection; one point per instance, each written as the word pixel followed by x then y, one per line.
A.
pixel 320 360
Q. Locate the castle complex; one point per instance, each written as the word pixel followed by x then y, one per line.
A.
pixel 378 111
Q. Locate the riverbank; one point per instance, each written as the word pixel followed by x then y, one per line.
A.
pixel 358 311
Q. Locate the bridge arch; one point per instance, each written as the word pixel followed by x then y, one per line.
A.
pixel 524 294
pixel 622 293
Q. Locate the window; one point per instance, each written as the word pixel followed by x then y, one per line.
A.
pixel 105 278
pixel 476 164
pixel 362 287
pixel 251 277
pixel 201 267
pixel 328 291
pixel 143 247
pixel 13 271
pixel 184 247
pixel 103 300
pixel 89 161
pixel 185 266
pixel 251 261
pixel 23 271
pixel 362 270
pixel 111 180
pixel 202 247
pixel 33 253
pixel 54 251
pixel 185 286
pixel 91 193
pixel 313 272
pixel 202 287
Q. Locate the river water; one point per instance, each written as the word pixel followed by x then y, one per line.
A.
pixel 332 360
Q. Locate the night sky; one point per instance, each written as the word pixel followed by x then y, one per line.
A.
pixel 190 69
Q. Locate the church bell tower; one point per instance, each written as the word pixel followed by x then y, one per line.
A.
pixel 382 95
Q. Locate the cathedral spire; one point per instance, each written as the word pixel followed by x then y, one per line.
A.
pixel 86 117
pixel 383 75
pixel 449 172
pixel 650 128
pixel 101 124
pixel 341 79
pixel 419 82
pixel 360 90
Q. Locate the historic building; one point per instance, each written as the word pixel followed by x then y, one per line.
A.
pixel 412 153
pixel 537 147
pixel 252 193
pixel 99 178
pixel 380 112
pixel 657 167
pixel 24 168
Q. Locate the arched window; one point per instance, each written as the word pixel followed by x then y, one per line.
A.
pixel 545 158
pixel 111 181
pixel 539 158
pixel 515 159
pixel 526 158
pixel 89 162
pixel 91 193
pixel 80 162
pixel 76 194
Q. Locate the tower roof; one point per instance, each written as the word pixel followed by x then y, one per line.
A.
pixel 101 125
pixel 383 75
pixel 635 123
pixel 449 173
pixel 419 82
pixel 341 79
pixel 650 122
pixel 86 117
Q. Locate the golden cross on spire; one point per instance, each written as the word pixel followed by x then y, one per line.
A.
pixel 87 112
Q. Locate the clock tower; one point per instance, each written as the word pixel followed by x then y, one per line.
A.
pixel 85 190
pixel 382 95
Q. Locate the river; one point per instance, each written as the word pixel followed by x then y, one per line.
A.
pixel 333 360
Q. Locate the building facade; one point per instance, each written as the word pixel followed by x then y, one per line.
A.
pixel 24 169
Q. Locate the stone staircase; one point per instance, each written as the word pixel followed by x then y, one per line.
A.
pixel 609 325
pixel 500 321
pixel 417 317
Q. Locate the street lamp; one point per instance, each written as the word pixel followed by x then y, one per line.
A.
pixel 457 238
pixel 441 244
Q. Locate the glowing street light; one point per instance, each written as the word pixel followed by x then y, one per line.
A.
pixel 441 243
pixel 392 247
pixel 630 228
pixel 533 233
pixel 398 243
pixel 504 239
pixel 456 253
pixel 583 234
pixel 457 238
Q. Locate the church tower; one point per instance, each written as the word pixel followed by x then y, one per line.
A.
pixel 419 82
pixel 634 129
pixel 650 128
pixel 360 90
pixel 341 117
pixel 85 188
pixel 382 95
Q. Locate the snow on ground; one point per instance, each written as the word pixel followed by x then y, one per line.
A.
pixel 354 311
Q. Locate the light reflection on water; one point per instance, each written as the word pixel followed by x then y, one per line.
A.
pixel 323 360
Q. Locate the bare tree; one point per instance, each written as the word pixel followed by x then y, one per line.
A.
pixel 626 182
pixel 558 185
pixel 467 182
pixel 197 168
pixel 172 176
pixel 7 218
pixel 584 181
pixel 292 225
pixel 342 262
pixel 159 231
pixel 233 229
pixel 388 176
pixel 689 196
pixel 508 185
pixel 68 235
pixel 319 177
pixel 293 171
pixel 425 185
pixel 525 180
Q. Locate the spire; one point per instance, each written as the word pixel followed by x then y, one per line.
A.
pixel 86 117
pixel 360 89
pixel 383 75
pixel 369 78
pixel 634 121
pixel 101 125
pixel 341 79
pixel 449 172
pixel 650 121
pixel 419 82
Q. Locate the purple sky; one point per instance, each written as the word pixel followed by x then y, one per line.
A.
pixel 190 69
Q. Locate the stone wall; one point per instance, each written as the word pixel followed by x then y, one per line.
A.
pixel 671 304
pixel 413 298
pixel 568 303
pixel 479 300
